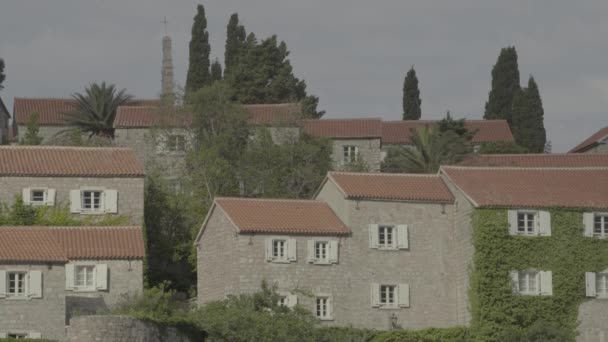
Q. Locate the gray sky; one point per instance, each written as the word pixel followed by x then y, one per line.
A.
pixel 353 54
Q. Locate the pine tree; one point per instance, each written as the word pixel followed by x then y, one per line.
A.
pixel 216 71
pixel 235 41
pixel 2 76
pixel 528 119
pixel 198 68
pixel 505 84
pixel 411 96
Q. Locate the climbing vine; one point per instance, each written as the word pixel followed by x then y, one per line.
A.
pixel 496 311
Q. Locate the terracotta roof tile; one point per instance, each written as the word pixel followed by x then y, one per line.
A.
pixel 392 186
pixel 51 110
pixel 282 216
pixel 591 141
pixel 272 113
pixel 344 128
pixel 399 132
pixel 60 244
pixel 538 160
pixel 532 187
pixel 69 161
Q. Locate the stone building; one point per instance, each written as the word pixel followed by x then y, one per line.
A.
pixel 89 182
pixel 49 274
pixel 596 143
pixel 5 117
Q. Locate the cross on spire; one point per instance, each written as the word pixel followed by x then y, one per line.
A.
pixel 165 22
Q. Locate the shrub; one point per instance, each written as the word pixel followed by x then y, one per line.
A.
pixel 456 334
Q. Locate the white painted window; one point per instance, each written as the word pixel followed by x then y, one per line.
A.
pixel 176 143
pixel 351 153
pixel 85 277
pixel 526 223
pixel 38 196
pixel 287 299
pixel 532 282
pixel 600 225
pixel 323 307
pixel 323 252
pixel 280 250
pixel 387 294
pixel 390 296
pixel 16 284
pixel 388 236
pixel 597 284
pixel 91 200
pixel 529 282
pixel 529 222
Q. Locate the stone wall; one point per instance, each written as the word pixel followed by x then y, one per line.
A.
pixel 120 329
pixel 593 316
pixel 45 132
pixel 130 191
pixel 369 151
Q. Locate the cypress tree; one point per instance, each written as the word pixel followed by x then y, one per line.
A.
pixel 528 118
pixel 216 71
pixel 505 84
pixel 235 41
pixel 2 76
pixel 411 96
pixel 198 68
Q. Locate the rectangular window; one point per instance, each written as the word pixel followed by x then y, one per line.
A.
pixel 386 236
pixel 16 284
pixel 85 277
pixel 321 253
pixel 600 225
pixel 351 154
pixel 91 200
pixel 528 282
pixel 37 196
pixel 526 223
pixel 176 143
pixel 601 284
pixel 279 249
pixel 17 336
pixel 322 310
pixel 282 301
pixel 387 294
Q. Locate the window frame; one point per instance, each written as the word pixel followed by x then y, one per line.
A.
pixel 350 153
pixel 45 196
pixel 535 218
pixel 92 191
pixel 393 292
pixel 317 256
pixel 275 245
pixel 174 141
pixel 325 309
pixel 16 295
pixel 386 228
pixel 603 225
pixel 85 288
pixel 528 275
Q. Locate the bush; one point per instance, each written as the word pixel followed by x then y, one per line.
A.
pixel 344 334
pixel 25 340
pixel 540 331
pixel 456 334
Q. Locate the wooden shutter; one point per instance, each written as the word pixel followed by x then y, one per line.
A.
pixel 26 195
pixel 333 251
pixel 588 222
pixel 291 249
pixel 403 295
pixel 402 237
pixel 311 251
pixel 50 197
pixel 35 284
pixel 590 290
pixel 69 276
pixel 110 201
pixel 515 281
pixel 546 283
pixel 34 335
pixel 512 216
pixel 292 300
pixel 375 297
pixel 544 218
pixel 268 249
pixel 75 205
pixel 373 236
pixel 2 284
pixel 101 276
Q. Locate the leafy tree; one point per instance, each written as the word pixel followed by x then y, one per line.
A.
pixel 235 42
pixel 501 147
pixel 527 123
pixel 411 96
pixel 456 126
pixel 198 68
pixel 216 71
pixel 309 108
pixel 505 84
pixel 2 75
pixel 31 136
pixel 94 112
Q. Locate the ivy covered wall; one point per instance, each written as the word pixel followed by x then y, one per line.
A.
pixel 496 311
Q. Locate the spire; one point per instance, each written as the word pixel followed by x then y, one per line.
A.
pixel 167 84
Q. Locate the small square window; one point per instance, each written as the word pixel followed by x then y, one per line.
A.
pixel 600 225
pixel 85 277
pixel 351 154
pixel 279 249
pixel 323 308
pixel 387 294
pixel 526 223
pixel 601 285
pixel 37 196
pixel 16 284
pixel 91 200
pixel 321 250
pixel 528 282
pixel 386 236
pixel 176 143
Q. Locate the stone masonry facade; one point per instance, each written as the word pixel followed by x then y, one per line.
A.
pixel 120 329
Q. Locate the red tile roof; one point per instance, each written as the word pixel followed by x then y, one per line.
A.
pixel 38 161
pixel 532 187
pixel 392 186
pixel 538 160
pixel 60 244
pixel 148 116
pixel 344 128
pixel 399 132
pixel 282 216
pixel 51 110
pixel 591 141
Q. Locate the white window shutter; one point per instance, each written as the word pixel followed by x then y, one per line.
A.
pixel 292 300
pixel 34 335
pixel 110 201
pixel 2 284
pixel 403 293
pixel 375 295
pixel 311 250
pixel 291 250
pixel 546 283
pixel 373 236
pixel 50 197
pixel 590 290
pixel 333 251
pixel 26 195
pixel 544 223
pixel 512 215
pixel 402 237
pixel 268 249
pixel 69 276
pixel 35 284
pixel 101 276
pixel 330 307
pixel 588 222
pixel 515 281
pixel 75 205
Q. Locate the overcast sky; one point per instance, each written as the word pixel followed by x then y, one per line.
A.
pixel 353 54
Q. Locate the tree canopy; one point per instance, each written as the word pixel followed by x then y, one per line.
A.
pixel 2 75
pixel 31 136
pixel 505 84
pixel 411 96
pixel 528 116
pixel 198 66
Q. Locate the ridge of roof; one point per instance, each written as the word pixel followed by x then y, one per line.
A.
pixel 254 199
pixel 381 174
pixel 54 147
pixel 523 168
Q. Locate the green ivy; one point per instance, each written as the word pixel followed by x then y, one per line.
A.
pixel 496 311
pixel 25 340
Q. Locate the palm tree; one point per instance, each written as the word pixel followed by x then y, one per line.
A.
pixel 94 111
pixel 430 149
